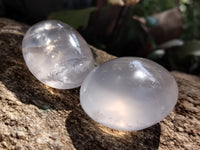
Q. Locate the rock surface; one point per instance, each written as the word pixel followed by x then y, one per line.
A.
pixel 34 116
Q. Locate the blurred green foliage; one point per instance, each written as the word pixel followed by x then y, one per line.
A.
pixel 149 7
pixel 76 17
pixel 191 16
pixel 184 58
pixel 189 8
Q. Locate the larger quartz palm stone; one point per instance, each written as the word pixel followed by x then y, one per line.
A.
pixel 129 93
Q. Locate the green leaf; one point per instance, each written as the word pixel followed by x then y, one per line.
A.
pixel 75 18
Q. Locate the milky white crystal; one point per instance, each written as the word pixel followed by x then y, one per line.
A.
pixel 129 93
pixel 56 54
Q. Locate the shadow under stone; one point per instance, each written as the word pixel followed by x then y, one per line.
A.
pixel 87 134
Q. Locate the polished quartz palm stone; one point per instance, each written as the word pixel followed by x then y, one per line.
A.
pixel 129 93
pixel 56 54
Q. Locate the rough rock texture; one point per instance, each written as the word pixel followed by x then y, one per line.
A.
pixel 34 116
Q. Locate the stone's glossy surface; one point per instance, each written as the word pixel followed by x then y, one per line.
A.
pixel 56 54
pixel 129 93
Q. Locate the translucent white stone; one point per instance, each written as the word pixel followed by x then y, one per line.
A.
pixel 129 93
pixel 56 54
